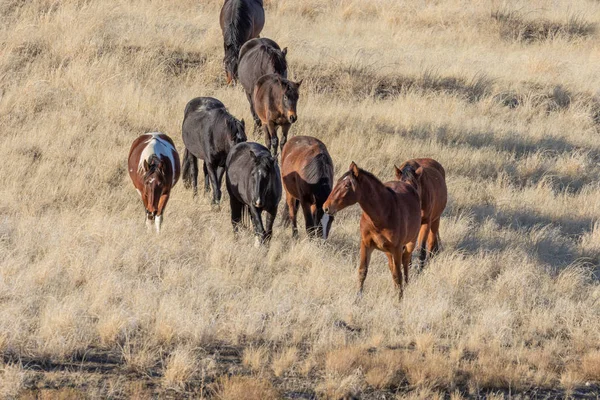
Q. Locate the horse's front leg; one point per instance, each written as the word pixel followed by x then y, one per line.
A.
pixel 259 230
pixel 269 220
pixel 363 268
pixel 285 128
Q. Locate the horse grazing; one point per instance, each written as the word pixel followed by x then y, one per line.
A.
pixel 307 172
pixel 431 179
pixel 260 57
pixel 275 99
pixel 390 220
pixel 240 20
pixel 209 132
pixel 153 165
pixel 254 183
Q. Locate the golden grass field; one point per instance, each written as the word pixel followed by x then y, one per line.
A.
pixel 504 94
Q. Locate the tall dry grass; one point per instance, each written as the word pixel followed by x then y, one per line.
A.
pixel 503 94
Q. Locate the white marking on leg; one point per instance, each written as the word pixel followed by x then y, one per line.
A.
pixel 158 222
pixel 148 223
pixel 257 242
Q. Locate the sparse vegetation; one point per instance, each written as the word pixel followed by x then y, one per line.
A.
pixel 506 98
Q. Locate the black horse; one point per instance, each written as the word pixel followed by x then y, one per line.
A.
pixel 209 132
pixel 240 20
pixel 253 182
pixel 259 57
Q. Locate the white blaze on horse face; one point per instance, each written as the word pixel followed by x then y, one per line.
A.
pixel 160 147
pixel 158 222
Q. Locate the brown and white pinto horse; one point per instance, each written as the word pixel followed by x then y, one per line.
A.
pixel 434 196
pixel 154 169
pixel 390 220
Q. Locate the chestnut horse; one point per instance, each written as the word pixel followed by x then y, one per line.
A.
pixel 260 57
pixel 275 99
pixel 154 169
pixel 390 220
pixel 307 172
pixel 240 20
pixel 434 196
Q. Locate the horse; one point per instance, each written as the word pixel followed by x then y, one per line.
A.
pixel 254 184
pixel 275 99
pixel 209 132
pixel 240 20
pixel 307 172
pixel 260 57
pixel 390 220
pixel 154 169
pixel 434 196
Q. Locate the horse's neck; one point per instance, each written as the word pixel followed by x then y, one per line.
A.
pixel 373 200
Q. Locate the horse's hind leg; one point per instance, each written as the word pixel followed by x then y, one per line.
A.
pixel 407 259
pixel 433 238
pixel 267 136
pixel 395 264
pixel 220 172
pixel 292 209
pixel 257 121
pixel 423 237
pixel 308 218
pixel 206 179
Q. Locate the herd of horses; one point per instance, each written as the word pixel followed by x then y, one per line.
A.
pixel 398 216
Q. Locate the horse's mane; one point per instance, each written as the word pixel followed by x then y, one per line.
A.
pixel 317 168
pixel 153 164
pixel 364 173
pixel 276 58
pixel 241 21
pixel 230 121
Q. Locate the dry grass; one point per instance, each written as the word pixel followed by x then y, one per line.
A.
pixel 504 94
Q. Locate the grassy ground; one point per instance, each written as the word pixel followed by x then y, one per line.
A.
pixel 503 94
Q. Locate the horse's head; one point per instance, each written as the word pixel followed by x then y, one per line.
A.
pixel 289 99
pixel 237 131
pixel 154 185
pixel 411 173
pixel 260 178
pixel 230 62
pixel 345 192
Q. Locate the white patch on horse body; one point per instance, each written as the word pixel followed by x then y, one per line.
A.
pixel 160 147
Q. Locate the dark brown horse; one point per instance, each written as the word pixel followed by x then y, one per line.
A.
pixel 260 57
pixel 153 165
pixel 241 20
pixel 390 220
pixel 431 179
pixel 275 99
pixel 307 172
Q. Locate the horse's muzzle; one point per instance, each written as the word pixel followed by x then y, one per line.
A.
pixel 258 204
pixel 293 118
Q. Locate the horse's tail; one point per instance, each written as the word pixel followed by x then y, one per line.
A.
pixel 246 219
pixel 186 169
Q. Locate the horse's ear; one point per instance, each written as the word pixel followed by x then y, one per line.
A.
pixel 146 166
pixel 299 82
pixel 354 169
pixel 243 123
pixel 419 173
pixel 398 172
pixel 284 51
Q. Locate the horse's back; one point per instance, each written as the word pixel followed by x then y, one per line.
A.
pixel 201 104
pixel 434 192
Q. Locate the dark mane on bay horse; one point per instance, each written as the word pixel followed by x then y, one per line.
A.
pixel 307 174
pixel 258 57
pixel 240 21
pixel 390 220
pixel 433 192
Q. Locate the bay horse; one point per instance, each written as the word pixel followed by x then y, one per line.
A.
pixel 307 172
pixel 153 165
pixel 240 20
pixel 434 196
pixel 258 57
pixel 275 99
pixel 254 184
pixel 209 132
pixel 390 220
